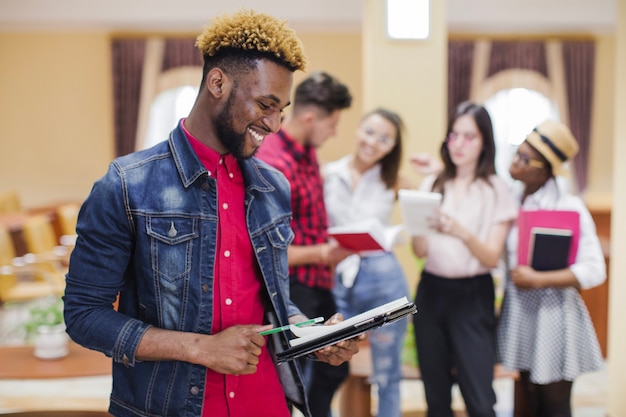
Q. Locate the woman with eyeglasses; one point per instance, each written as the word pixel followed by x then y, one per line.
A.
pixel 545 330
pixel 359 187
pixel 455 324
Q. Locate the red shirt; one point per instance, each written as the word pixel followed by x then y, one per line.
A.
pixel 237 299
pixel 299 164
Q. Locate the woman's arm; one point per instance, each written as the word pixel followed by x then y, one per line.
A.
pixel 324 253
pixel 523 276
pixel 419 244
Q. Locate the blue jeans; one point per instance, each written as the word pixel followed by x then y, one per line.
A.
pixel 380 280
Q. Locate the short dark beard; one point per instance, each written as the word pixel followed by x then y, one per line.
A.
pixel 233 142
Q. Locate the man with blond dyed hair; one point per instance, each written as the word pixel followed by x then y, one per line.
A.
pixel 193 234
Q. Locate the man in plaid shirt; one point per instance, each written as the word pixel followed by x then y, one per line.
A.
pixel 317 106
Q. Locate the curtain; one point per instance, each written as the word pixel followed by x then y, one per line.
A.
pixel 181 53
pixel 523 55
pixel 128 57
pixel 460 61
pixel 579 57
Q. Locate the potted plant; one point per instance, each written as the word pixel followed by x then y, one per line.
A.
pixel 45 328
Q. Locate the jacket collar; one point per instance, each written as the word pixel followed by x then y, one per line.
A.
pixel 190 168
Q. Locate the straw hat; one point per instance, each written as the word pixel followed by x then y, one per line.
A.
pixel 555 142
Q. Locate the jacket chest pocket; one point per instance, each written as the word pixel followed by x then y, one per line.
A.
pixel 171 244
pixel 279 237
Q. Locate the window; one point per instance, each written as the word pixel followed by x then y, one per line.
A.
pixel 514 113
pixel 166 110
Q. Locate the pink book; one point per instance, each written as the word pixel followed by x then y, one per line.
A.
pixel 554 219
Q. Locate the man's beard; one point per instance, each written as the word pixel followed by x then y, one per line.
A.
pixel 233 142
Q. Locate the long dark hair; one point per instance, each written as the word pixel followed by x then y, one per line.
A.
pixel 486 161
pixel 390 163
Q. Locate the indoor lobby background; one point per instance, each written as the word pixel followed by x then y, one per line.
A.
pixel 56 112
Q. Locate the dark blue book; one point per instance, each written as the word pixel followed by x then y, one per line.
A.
pixel 549 248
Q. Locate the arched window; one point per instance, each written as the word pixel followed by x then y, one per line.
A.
pixel 514 112
pixel 166 110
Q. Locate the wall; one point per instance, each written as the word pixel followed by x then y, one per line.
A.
pixel 616 400
pixel 55 113
pixel 600 183
pixel 56 110
pixel 339 54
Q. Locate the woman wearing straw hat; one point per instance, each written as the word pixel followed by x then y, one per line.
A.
pixel 545 330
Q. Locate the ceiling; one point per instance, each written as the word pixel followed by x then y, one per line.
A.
pixel 466 16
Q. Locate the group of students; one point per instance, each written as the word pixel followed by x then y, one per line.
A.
pixel 544 330
pixel 205 246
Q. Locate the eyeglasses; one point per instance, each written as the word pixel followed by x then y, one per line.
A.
pixel 527 160
pixel 466 137
pixel 384 140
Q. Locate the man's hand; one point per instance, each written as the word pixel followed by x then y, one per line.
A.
pixel 234 350
pixel 341 352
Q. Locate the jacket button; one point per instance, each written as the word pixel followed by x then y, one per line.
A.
pixel 206 187
pixel 194 390
pixel 205 287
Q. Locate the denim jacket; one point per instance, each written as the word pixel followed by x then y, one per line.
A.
pixel 156 247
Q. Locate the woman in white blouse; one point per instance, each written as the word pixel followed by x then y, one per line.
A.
pixel 545 330
pixel 363 186
pixel 455 324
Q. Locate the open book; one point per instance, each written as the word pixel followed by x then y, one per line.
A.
pixel 417 207
pixel 311 338
pixel 367 235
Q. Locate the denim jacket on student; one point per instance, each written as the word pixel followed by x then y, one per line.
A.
pixel 148 230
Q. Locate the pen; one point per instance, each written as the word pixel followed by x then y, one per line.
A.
pixel 283 328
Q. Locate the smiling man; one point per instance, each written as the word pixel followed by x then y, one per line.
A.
pixel 193 235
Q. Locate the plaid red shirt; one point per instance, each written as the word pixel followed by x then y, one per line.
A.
pixel 299 164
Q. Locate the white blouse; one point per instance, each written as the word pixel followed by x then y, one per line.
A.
pixel 484 205
pixel 346 204
pixel 589 267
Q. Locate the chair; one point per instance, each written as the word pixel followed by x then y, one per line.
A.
pixel 67 214
pixel 10 202
pixel 26 278
pixel 39 234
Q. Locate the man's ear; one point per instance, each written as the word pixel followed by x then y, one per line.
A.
pixel 308 116
pixel 216 82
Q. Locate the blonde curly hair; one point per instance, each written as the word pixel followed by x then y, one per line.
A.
pixel 251 31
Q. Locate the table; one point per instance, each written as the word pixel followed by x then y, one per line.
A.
pixel 20 362
pixel 76 385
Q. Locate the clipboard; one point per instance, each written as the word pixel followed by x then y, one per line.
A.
pixel 347 329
